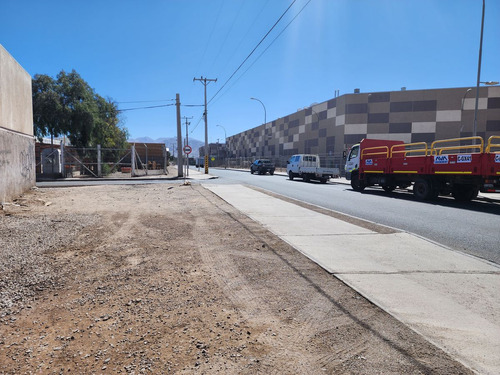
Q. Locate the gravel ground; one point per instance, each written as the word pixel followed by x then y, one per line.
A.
pixel 171 279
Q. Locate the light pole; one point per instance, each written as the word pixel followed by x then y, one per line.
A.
pixel 265 114
pixel 474 129
pixel 462 111
pixel 225 139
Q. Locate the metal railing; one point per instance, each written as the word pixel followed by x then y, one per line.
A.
pixel 473 147
pixel 492 145
pixel 421 147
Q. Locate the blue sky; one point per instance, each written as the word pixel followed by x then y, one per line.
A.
pixel 146 51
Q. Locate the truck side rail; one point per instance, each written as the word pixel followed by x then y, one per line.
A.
pixel 421 151
pixel 491 145
pixel 438 150
pixel 375 151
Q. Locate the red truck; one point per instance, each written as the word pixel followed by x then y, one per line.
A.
pixel 459 166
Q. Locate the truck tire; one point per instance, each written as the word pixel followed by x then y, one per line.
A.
pixel 323 180
pixel 464 193
pixel 356 183
pixel 291 175
pixel 422 189
pixel 306 178
pixel 389 188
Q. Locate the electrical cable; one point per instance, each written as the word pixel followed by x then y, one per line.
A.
pixel 251 53
pixel 244 37
pixel 147 101
pixel 210 36
pixel 258 57
pixel 227 36
pixel 153 106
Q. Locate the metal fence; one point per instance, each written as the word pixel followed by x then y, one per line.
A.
pixel 102 162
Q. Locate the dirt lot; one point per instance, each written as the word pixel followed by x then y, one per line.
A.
pixel 171 279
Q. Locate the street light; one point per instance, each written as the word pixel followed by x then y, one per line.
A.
pixel 223 128
pixel 474 129
pixel 265 114
pixel 462 110
pixel 225 138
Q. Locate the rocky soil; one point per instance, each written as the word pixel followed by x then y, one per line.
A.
pixel 160 279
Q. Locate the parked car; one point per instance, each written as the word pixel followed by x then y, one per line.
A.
pixel 262 166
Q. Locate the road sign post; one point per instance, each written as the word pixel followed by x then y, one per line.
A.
pixel 187 150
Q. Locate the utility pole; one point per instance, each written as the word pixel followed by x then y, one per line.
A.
pixel 205 82
pixel 187 143
pixel 179 137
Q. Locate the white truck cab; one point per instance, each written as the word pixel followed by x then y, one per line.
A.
pixel 352 161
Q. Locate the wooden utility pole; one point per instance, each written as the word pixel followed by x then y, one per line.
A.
pixel 205 82
pixel 179 137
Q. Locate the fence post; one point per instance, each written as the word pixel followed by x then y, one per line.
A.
pixel 99 170
pixel 132 161
pixel 165 153
pixel 63 166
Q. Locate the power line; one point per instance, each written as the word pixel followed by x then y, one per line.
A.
pixel 270 44
pixel 158 106
pixel 227 35
pixel 153 106
pixel 147 101
pixel 244 37
pixel 210 36
pixel 197 123
pixel 251 53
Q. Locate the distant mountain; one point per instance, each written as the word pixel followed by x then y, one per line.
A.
pixel 171 143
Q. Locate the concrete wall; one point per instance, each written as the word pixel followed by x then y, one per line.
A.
pixel 17 144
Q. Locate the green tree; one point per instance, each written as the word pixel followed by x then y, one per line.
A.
pixel 48 114
pixel 68 105
pixel 107 130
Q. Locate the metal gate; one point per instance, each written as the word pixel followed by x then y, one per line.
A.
pixel 112 162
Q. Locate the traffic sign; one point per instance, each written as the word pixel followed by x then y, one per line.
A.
pixel 187 149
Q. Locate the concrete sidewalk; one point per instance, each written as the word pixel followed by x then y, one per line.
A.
pixel 448 297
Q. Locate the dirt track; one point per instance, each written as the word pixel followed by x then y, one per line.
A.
pixel 171 279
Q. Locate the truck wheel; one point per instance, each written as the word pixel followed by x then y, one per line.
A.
pixel 251 171
pixel 356 183
pixel 271 172
pixel 306 178
pixel 422 190
pixel 290 175
pixel 389 188
pixel 323 180
pixel 464 193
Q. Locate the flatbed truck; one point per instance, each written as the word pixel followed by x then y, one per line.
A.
pixel 307 167
pixel 460 166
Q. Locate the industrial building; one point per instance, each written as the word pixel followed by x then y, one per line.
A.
pixel 331 127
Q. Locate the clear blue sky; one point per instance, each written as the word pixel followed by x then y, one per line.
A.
pixel 149 50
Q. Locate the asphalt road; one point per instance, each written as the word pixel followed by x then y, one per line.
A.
pixel 472 227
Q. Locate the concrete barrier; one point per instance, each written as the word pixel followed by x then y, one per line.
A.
pixel 17 144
